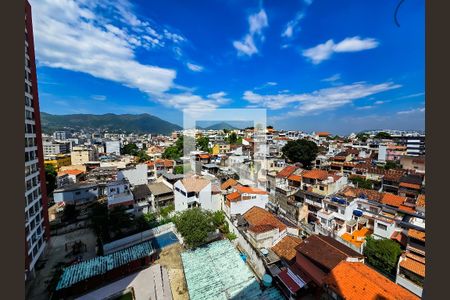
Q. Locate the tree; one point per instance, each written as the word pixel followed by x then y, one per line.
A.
pixel 383 135
pixel 302 151
pixel 165 211
pixel 130 149
pixel 382 254
pixel 99 220
pixel 70 213
pixel 50 178
pixel 171 153
pixel 362 137
pixel 194 225
pixel 202 143
pixel 362 183
pixel 142 156
pixel 119 220
pixel 390 165
pixel 232 138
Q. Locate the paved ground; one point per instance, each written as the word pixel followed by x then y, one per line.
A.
pixel 171 259
pixel 146 284
pixel 54 254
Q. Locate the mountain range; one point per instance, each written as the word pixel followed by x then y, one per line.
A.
pixel 139 123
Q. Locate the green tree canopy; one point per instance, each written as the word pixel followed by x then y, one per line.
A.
pixel 391 165
pixel 362 137
pixel 383 135
pixel 194 225
pixel 202 143
pixel 382 254
pixel 50 178
pixel 131 149
pixel 232 138
pixel 302 151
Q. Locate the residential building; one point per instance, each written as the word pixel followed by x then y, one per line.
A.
pixel 416 163
pixel 81 155
pixel 415 146
pixel 195 191
pixel 76 194
pixel 54 148
pixel 58 160
pixel 135 175
pixel 411 265
pixel 37 229
pixel 141 195
pixel 61 135
pixel 161 195
pixel 119 194
pixel 112 147
pixel 67 177
pixel 242 198
pixel 355 280
pixel 263 229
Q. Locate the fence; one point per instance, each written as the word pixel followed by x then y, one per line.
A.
pixel 253 258
pixel 137 238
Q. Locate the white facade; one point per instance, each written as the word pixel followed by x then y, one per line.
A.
pixel 135 176
pixel 203 198
pixel 242 206
pixel 112 147
pixel 382 151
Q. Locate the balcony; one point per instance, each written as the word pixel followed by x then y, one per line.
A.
pixel 326 214
pixel 409 285
pixel 286 190
pixel 314 203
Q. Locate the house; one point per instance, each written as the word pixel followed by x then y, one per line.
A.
pixel 119 194
pixel 141 194
pixel 195 191
pixel 416 163
pixel 160 195
pixel 410 185
pixel 76 194
pixel 73 176
pixel 285 248
pixel 411 265
pixel 243 198
pixel 228 184
pixel 355 280
pixel 318 255
pixel 135 175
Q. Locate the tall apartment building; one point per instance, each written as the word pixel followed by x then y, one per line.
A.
pixel 37 230
pixel 415 146
pixel 61 135
pixel 54 148
pixel 112 147
pixel 81 155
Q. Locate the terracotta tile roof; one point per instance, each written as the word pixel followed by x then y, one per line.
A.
pixel 194 184
pixel 249 190
pixel 410 185
pixel 204 156
pixel 325 250
pixel 259 216
pixel 261 228
pixel 70 172
pixel 406 208
pixel 413 265
pixel 358 237
pixel 354 280
pixel 233 196
pixel 286 171
pixel 322 133
pixel 294 177
pixel 315 174
pixel 420 200
pixel 229 183
pixel 393 200
pixel 285 248
pixel 165 162
pixel 418 258
pixel 352 192
pixel 399 237
pixel 416 234
pixel 150 164
pixel 349 164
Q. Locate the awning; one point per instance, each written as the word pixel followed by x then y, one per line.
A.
pixel 292 281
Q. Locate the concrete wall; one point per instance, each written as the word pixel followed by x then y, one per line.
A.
pixel 135 176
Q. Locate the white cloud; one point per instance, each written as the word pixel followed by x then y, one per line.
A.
pixel 194 67
pixel 80 36
pixel 332 78
pixel 292 26
pixel 364 107
pixel 272 83
pixel 379 102
pixel 99 97
pixel 257 22
pixel 319 100
pixel 324 51
pixel 412 95
pixel 412 111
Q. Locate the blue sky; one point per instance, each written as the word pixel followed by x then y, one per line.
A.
pixel 340 66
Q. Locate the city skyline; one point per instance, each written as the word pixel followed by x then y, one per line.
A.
pixel 314 65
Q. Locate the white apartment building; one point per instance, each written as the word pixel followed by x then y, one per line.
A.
pixel 81 155
pixel 241 199
pixel 195 191
pixel 112 147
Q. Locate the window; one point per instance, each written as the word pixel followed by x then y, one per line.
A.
pixel 381 226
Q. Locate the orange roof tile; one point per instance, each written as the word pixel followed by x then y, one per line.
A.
pixel 261 228
pixel 249 190
pixel 420 200
pixel 70 172
pixel 204 156
pixel 416 234
pixel 233 196
pixel 229 183
pixel 322 133
pixel 393 200
pixel 285 248
pixel 259 216
pixel 294 177
pixel 410 185
pixel 315 174
pixel 194 184
pixel 354 280
pixel 406 208
pixel 413 265
pixel 286 171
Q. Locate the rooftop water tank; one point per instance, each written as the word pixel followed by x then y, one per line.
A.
pixel 267 280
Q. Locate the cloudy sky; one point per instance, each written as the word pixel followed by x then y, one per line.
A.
pixel 340 66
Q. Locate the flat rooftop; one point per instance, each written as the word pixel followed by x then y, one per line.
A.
pixel 216 271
